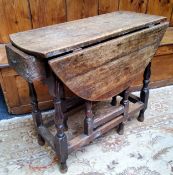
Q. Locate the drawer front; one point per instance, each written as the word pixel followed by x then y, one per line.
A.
pixel 25 65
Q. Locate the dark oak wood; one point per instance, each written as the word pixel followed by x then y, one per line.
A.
pixel 125 103
pixel 107 115
pixel 84 139
pixel 47 136
pixel 144 95
pixel 60 140
pixel 36 113
pixel 114 101
pixel 89 119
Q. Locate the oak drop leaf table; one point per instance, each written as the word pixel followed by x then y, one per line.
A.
pixel 96 58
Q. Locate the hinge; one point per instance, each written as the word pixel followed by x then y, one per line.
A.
pixel 151 25
pixel 77 49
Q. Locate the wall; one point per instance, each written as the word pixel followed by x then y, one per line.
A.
pixel 20 15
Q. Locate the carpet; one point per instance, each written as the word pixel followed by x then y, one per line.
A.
pixel 144 149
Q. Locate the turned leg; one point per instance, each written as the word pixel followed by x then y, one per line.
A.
pixel 145 91
pixel 88 121
pixel 114 101
pixel 125 103
pixel 36 114
pixel 64 109
pixel 60 141
pixel 65 123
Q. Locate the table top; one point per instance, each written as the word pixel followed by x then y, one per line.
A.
pixel 57 39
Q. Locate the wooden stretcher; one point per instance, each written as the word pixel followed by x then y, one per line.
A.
pixel 96 58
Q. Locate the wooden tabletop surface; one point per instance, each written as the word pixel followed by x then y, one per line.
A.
pixel 57 39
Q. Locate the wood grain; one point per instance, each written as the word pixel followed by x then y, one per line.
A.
pixel 133 5
pixel 106 6
pixel 3 56
pixel 79 70
pixel 77 9
pixel 168 37
pixel 160 7
pixel 1 82
pixel 24 109
pixel 9 82
pixel 162 72
pixel 171 21
pixel 164 50
pixel 23 92
pixel 71 35
pixel 15 14
pixel 14 17
pixel 17 98
pixel 8 71
pixel 165 70
pixel 83 139
pixel 25 65
pixel 47 12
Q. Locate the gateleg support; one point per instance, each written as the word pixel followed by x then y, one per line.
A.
pixel 144 95
pixel 89 118
pixel 60 139
pixel 125 103
pixel 36 113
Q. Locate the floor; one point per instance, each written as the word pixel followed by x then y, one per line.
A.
pixel 144 149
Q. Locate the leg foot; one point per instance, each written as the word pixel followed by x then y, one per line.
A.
pixel 63 168
pixel 88 121
pixel 65 123
pixel 114 101
pixel 125 103
pixel 144 95
pixel 120 129
pixel 141 116
pixel 40 140
pixel 60 139
pixel 36 113
pixel 129 119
